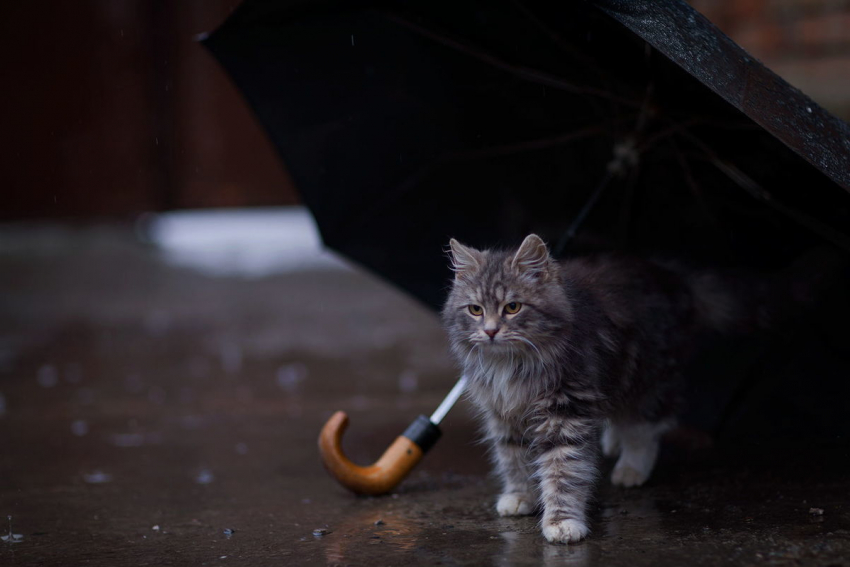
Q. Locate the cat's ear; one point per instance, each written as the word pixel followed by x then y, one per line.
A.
pixel 464 258
pixel 532 258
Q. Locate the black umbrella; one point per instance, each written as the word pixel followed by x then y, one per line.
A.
pixel 634 125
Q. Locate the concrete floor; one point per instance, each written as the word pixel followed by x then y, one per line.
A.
pixel 154 415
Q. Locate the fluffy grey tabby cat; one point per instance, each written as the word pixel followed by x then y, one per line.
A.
pixel 558 351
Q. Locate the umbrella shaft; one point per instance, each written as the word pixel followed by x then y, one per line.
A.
pixel 450 400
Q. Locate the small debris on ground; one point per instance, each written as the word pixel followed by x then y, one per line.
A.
pixel 816 511
pixel 319 532
pixel 229 532
pixel 379 522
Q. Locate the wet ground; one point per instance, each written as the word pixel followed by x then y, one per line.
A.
pixel 155 415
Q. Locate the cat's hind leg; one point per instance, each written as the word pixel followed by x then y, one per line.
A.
pixel 610 440
pixel 639 444
pixel 510 454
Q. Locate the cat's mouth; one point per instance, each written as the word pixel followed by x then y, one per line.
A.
pixel 499 343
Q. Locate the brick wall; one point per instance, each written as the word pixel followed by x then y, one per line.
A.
pixel 807 42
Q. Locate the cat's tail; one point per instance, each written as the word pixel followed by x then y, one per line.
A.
pixel 737 302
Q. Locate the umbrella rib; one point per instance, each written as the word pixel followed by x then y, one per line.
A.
pixel 556 39
pixel 692 184
pixel 524 146
pixel 527 73
pixel 585 210
pixel 752 187
pixel 494 151
pixel 648 142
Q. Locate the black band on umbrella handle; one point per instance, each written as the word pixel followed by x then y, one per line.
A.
pixel 423 432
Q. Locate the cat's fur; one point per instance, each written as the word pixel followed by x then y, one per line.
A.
pixel 597 344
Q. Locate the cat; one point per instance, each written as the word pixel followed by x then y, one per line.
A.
pixel 559 354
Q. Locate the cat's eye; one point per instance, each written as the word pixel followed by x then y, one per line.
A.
pixel 476 310
pixel 513 307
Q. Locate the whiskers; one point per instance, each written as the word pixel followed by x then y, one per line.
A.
pixel 468 354
pixel 529 343
pixel 539 361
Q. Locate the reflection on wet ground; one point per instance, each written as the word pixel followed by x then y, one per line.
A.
pixel 152 415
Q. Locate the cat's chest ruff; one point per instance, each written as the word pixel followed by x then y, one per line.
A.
pixel 503 385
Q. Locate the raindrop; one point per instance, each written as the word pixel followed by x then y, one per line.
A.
pixel 290 376
pixel 408 382
pixel 205 476
pixel 79 427
pixel 352 40
pixel 2 405
pixel 242 448
pixel 97 477
pixel 128 439
pixel 47 376
pixel 11 538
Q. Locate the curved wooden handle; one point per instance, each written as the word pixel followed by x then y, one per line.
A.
pixel 379 478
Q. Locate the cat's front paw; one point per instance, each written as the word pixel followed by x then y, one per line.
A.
pixel 564 531
pixel 515 504
pixel 624 475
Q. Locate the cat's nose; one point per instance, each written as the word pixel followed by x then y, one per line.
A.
pixel 491 332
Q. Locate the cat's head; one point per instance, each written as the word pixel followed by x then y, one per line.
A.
pixel 505 300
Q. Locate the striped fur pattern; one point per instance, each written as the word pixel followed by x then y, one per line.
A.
pixel 593 350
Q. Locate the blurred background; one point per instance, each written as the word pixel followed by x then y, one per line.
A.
pixel 173 335
pixel 112 108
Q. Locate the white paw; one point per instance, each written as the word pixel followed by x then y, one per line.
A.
pixel 515 504
pixel 565 531
pixel 624 475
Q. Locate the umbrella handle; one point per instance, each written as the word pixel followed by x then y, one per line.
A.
pixel 389 470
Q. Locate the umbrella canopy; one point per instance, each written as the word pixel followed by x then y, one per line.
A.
pixel 634 125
